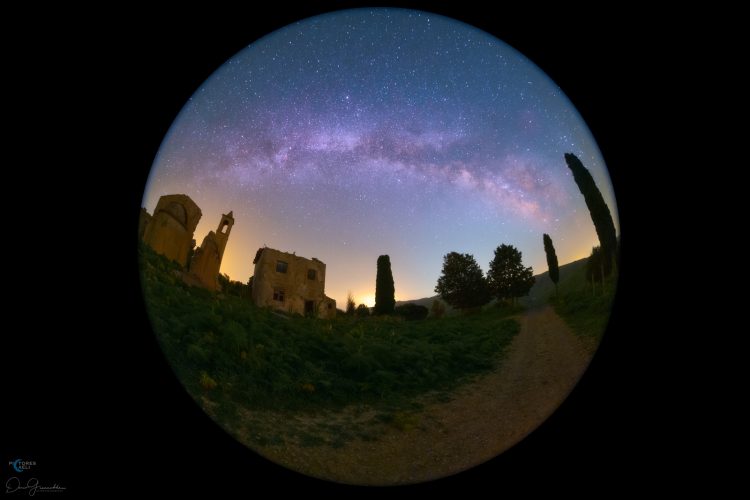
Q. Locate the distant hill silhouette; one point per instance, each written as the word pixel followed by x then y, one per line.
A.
pixel 543 288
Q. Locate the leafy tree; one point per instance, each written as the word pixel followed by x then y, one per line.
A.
pixel 462 284
pixel 554 270
pixel 600 214
pixel 438 308
pixel 363 310
pixel 385 293
pixel 507 278
pixel 350 305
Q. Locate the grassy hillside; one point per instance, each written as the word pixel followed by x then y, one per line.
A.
pixel 231 353
pixel 544 289
pixel 585 311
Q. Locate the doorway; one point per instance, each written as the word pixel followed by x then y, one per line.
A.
pixel 309 307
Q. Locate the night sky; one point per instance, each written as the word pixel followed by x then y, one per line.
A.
pixel 369 132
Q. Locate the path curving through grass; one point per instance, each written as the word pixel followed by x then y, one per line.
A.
pixel 480 420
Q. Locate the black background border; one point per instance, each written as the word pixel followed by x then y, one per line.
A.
pixel 94 401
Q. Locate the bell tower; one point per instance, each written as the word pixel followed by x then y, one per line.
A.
pixel 206 263
pixel 222 232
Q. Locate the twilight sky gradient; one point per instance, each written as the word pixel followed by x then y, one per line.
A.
pixel 382 131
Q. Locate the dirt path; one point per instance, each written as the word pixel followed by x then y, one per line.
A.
pixel 484 418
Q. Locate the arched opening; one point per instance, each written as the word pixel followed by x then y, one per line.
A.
pixel 225 227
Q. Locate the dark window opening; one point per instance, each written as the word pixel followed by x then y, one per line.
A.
pixel 330 306
pixel 311 274
pixel 278 295
pixel 309 307
pixel 281 266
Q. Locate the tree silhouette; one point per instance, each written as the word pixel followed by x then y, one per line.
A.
pixel 385 294
pixel 554 270
pixel 600 214
pixel 462 284
pixel 362 310
pixel 350 304
pixel 507 278
pixel 597 267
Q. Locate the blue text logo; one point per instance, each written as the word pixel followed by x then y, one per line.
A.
pixel 21 465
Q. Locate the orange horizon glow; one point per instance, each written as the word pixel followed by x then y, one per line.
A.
pixel 340 279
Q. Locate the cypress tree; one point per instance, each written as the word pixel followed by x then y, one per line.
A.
pixel 600 214
pixel 554 270
pixel 385 293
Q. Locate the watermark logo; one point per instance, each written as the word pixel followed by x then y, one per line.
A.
pixel 20 465
pixel 29 485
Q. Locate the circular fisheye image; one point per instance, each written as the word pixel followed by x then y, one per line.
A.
pixel 379 246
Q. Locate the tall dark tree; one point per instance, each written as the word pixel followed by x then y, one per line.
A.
pixel 385 293
pixel 554 270
pixel 351 306
pixel 600 214
pixel 462 284
pixel 507 278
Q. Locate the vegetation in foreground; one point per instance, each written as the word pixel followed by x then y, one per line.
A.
pixel 233 355
pixel 585 308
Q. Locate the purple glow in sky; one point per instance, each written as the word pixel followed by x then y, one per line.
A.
pixel 382 131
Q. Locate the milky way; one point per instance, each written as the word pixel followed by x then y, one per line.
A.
pixel 369 132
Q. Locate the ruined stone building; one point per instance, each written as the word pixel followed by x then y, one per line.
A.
pixel 170 230
pixel 286 282
pixel 206 261
pixel 281 281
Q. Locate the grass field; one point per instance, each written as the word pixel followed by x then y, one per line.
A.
pixel 232 355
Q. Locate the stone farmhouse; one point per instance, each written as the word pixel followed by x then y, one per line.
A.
pixel 287 282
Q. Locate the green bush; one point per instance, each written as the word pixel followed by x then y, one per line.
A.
pixel 412 312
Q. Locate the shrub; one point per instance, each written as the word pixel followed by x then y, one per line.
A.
pixel 207 383
pixel 412 312
pixel 438 308
pixel 363 310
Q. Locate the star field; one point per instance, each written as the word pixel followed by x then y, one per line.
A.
pixel 382 131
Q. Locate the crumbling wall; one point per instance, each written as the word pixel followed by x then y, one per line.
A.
pixel 289 283
pixel 170 230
